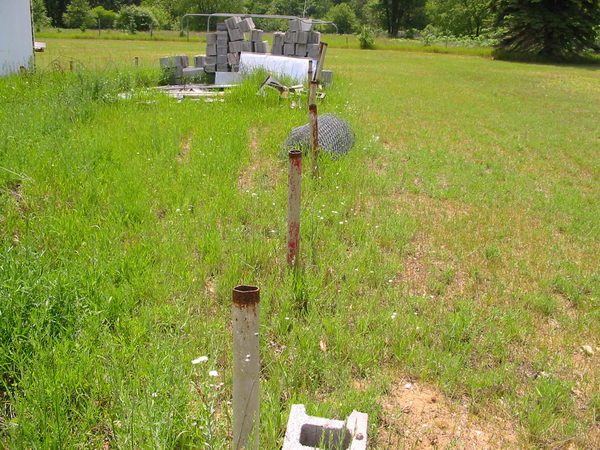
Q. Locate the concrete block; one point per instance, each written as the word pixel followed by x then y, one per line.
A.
pixel 222 67
pixel 168 61
pixel 184 60
pixel 211 49
pixel 211 38
pixel 300 25
pixel 235 34
pixel 302 37
pixel 256 35
pixel 277 49
pixel 222 59
pixel 233 59
pixel 232 23
pixel 210 60
pixel 228 77
pixel 246 46
pixel 221 26
pixel 261 47
pixel 278 37
pixel 192 72
pixel 246 25
pixel 309 432
pixel 210 68
pixel 326 77
pixel 199 60
pixel 314 37
pixel 290 37
pixel 312 51
pixel 222 36
pixel 300 50
pixel 222 49
pixel 235 47
pixel 289 49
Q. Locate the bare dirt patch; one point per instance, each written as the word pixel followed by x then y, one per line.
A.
pixel 419 416
pixel 184 149
pixel 262 170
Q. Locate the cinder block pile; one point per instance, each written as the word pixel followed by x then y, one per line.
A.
pixel 232 37
pixel 300 40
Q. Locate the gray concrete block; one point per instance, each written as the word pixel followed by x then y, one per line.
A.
pixel 277 50
pixel 223 67
pixel 290 37
pixel 232 23
pixel 246 46
pixel 233 59
pixel 309 432
pixel 222 49
pixel 168 61
pixel 235 34
pixel 192 72
pixel 222 36
pixel 246 25
pixel 211 38
pixel 314 37
pixel 289 49
pixel 261 47
pixel 300 50
pixel 235 47
pixel 210 68
pixel 228 77
pixel 312 51
pixel 256 35
pixel 211 49
pixel 199 60
pixel 326 77
pixel 302 37
pixel 278 37
pixel 221 26
pixel 300 25
pixel 210 60
pixel 222 59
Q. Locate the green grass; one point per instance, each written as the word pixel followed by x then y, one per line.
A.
pixel 468 207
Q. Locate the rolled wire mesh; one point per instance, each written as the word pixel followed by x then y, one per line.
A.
pixel 335 136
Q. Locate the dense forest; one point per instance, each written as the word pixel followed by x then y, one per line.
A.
pixel 548 27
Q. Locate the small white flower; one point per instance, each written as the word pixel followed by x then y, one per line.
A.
pixel 334 212
pixel 213 373
pixel 286 318
pixel 177 210
pixel 200 359
pixel 393 316
pixel 390 281
pixel 155 394
pixel 342 222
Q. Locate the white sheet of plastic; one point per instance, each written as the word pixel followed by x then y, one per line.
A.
pixel 296 68
pixel 16 37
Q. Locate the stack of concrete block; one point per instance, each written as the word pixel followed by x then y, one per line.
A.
pixel 180 66
pixel 300 40
pixel 224 46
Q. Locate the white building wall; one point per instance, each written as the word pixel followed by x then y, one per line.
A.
pixel 16 36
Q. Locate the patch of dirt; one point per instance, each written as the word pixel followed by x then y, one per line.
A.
pixel 419 416
pixel 261 168
pixel 184 149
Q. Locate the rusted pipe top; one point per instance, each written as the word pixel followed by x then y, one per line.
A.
pixel 246 295
pixel 295 154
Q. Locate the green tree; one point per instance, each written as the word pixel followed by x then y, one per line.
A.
pixel 459 17
pixel 106 17
pixel 344 17
pixel 40 15
pixel 401 13
pixel 135 18
pixel 79 15
pixel 551 28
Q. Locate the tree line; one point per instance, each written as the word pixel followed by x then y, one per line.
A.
pixel 553 28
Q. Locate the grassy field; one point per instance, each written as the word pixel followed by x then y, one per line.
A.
pixel 455 248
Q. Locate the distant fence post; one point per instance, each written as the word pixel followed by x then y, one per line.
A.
pixel 246 367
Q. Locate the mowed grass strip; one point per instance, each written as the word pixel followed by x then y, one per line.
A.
pixel 456 245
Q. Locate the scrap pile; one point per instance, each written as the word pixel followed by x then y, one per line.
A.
pixel 238 35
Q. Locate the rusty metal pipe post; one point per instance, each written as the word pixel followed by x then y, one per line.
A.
pixel 246 367
pixel 294 195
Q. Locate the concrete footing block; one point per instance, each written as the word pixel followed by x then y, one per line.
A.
pixel 309 432
pixel 228 77
pixel 246 25
pixel 192 72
